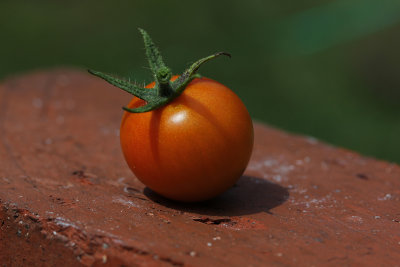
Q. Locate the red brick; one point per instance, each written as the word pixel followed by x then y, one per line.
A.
pixel 67 197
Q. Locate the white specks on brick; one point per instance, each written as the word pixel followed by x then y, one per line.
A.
pixel 104 130
pixel 60 221
pixel 324 166
pixel 277 178
pixel 314 203
pixel 284 169
pixel 303 161
pixel 299 162
pixel 272 168
pixel 193 253
pixel 125 202
pixel 37 103
pixel 386 197
pixel 48 141
pixel 317 201
pixel 254 166
pixel 270 162
pixel 67 186
pixel 354 219
pixel 300 190
pixel 312 140
pixel 259 165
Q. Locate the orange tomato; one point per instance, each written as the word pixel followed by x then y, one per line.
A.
pixel 192 149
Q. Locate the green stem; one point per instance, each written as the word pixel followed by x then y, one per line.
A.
pixel 163 84
pixel 164 90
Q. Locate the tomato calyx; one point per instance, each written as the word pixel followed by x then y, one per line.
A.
pixel 164 90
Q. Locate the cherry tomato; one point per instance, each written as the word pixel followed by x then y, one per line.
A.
pixel 192 149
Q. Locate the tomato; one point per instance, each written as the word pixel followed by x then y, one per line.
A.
pixel 192 149
pixel 186 138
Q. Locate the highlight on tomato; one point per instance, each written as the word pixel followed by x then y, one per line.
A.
pixel 186 137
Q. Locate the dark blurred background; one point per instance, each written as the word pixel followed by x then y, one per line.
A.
pixel 328 69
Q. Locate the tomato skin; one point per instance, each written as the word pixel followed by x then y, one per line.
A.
pixel 192 149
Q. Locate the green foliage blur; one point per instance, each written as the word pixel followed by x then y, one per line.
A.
pixel 326 68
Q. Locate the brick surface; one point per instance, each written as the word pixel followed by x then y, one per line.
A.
pixel 67 196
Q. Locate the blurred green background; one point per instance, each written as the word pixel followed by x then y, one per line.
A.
pixel 328 69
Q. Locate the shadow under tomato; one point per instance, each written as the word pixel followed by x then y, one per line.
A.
pixel 248 196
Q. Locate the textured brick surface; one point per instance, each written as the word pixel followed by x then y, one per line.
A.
pixel 67 196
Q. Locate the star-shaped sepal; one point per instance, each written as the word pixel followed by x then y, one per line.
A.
pixel 164 90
